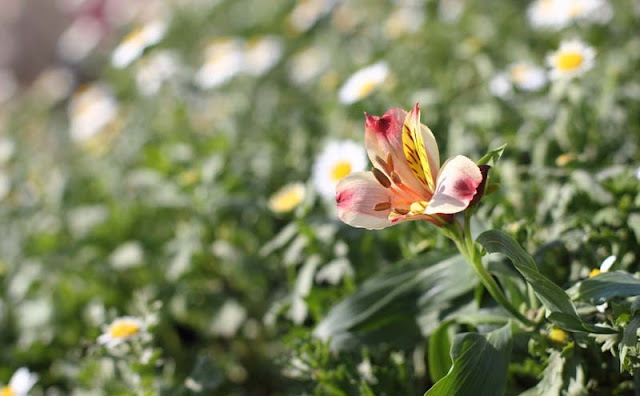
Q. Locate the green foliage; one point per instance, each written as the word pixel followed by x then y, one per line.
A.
pixel 480 364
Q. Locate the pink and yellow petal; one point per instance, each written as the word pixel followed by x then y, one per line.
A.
pixel 363 202
pixel 420 149
pixel 383 141
pixel 457 184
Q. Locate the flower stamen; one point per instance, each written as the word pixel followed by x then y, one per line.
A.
pixel 381 178
pixel 382 206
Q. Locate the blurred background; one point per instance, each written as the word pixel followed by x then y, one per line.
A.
pixel 173 163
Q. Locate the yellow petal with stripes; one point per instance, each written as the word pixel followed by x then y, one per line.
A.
pixel 414 150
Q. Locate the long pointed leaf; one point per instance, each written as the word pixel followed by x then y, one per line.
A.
pixel 480 365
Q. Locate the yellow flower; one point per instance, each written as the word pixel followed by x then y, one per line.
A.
pixel 287 198
pixel 558 336
pixel 120 330
pixel 572 59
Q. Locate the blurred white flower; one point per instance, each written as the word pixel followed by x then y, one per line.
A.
pixel 153 71
pixel 366 371
pixel 20 383
pixel 133 44
pixel 572 59
pixel 120 330
pixel 54 83
pixel 7 149
pixel 8 85
pixel 557 14
pixel 229 319
pixel 404 20
pixel 127 255
pixel 80 38
pixel 360 84
pixel 91 108
pixel 597 11
pixel 308 64
pixel 337 160
pixel 451 10
pixel 500 85
pixel 287 198
pixel 638 173
pixel 604 267
pixel 527 76
pixel 261 54
pixel 334 271
pixel 549 14
pixel 224 59
pixel 307 12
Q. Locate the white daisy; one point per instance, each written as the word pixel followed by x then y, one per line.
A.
pixel 54 83
pixel 306 65
pixel 79 39
pixel 337 160
pixel 133 44
pixel 307 12
pixel 153 71
pixel 526 76
pixel 91 108
pixel 224 59
pixel 287 198
pixel 604 267
pixel 500 85
pixel 549 14
pixel 363 82
pixel 598 11
pixel 572 59
pixel 20 383
pixel 404 20
pixel 261 54
pixel 120 330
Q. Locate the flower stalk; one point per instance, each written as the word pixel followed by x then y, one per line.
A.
pixel 463 239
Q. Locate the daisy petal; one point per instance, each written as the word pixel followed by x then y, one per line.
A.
pixel 22 381
pixel 357 196
pixel 457 184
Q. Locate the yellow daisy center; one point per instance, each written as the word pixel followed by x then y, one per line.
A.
pixel 558 336
pixel 340 170
pixel 594 272
pixel 6 391
pixel 286 200
pixel 519 73
pixel 569 61
pixel 123 329
pixel 135 37
pixel 366 88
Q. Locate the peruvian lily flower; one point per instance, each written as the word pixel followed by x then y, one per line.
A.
pixel 407 181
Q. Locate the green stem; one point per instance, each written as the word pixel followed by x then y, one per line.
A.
pixel 467 248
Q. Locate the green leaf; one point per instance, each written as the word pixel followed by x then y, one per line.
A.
pixel 385 308
pixel 550 294
pixel 605 286
pixel 629 339
pixel 492 157
pixel 438 354
pixel 480 365
pixel 562 312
